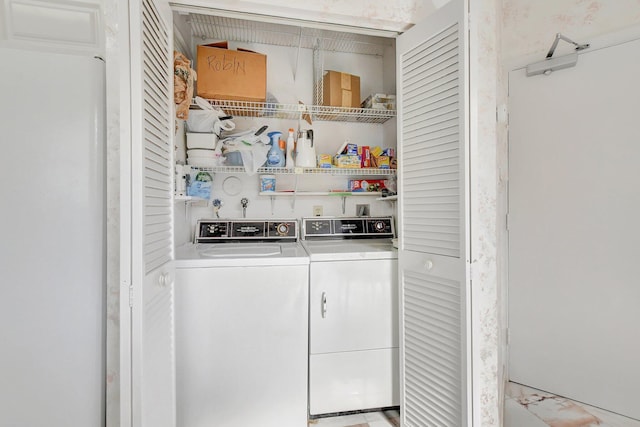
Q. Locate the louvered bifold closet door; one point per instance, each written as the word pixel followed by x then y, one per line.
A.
pixel 158 182
pixel 431 146
pixel 433 220
pixel 153 372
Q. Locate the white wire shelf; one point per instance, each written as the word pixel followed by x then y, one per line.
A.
pixel 388 198
pixel 293 195
pixel 320 193
pixel 303 171
pixel 210 27
pixel 294 111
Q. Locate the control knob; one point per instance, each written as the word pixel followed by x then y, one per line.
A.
pixel 379 226
pixel 282 229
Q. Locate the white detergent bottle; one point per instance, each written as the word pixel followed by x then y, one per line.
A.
pixel 290 149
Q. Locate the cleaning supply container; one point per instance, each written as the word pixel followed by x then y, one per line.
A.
pixel 275 156
pixel 267 183
pixel 290 161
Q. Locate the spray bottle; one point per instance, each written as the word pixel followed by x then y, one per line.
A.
pixel 275 156
pixel 290 149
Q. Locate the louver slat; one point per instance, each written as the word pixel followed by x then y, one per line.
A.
pixel 432 313
pixel 432 159
pixel 431 153
pixel 157 140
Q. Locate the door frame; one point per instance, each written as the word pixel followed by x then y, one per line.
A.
pixel 487 335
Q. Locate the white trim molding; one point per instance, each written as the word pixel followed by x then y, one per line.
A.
pixel 53 25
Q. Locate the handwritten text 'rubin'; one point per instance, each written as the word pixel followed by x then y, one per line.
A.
pixel 226 63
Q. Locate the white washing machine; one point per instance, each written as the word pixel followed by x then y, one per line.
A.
pixel 353 314
pixel 242 325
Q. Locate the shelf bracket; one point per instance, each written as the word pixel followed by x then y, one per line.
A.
pixel 273 202
pixel 344 204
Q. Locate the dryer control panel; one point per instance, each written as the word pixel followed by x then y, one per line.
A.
pixel 347 227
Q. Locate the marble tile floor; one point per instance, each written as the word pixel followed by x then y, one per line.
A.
pixel 528 407
pixel 523 407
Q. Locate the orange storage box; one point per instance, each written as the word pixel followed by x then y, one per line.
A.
pixel 340 90
pixel 239 75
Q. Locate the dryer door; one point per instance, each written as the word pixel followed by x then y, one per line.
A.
pixel 354 305
pixel 353 361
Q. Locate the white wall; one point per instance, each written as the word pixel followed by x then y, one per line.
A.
pixel 530 26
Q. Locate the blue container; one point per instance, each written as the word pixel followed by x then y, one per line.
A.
pixel 275 156
pixel 267 183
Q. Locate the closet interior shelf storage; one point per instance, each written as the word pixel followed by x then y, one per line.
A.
pixel 303 171
pixel 294 111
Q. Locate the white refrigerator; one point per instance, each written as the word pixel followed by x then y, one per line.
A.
pixel 52 234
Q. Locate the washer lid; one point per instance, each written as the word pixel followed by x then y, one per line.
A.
pixel 242 250
pixel 240 254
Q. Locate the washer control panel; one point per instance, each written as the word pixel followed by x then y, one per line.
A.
pixel 220 230
pixel 347 227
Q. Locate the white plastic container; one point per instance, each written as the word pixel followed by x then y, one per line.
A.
pixel 205 141
pixel 202 162
pixel 290 150
pixel 199 152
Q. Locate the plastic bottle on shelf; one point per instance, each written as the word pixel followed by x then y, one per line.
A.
pixel 275 156
pixel 290 162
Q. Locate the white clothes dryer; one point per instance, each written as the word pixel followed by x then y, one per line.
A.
pixel 353 314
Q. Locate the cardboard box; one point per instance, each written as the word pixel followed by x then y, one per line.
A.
pixel 239 75
pixel 324 161
pixel 381 162
pixel 380 101
pixel 365 156
pixel 340 90
pixel 376 151
pixel 364 185
pixel 347 161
